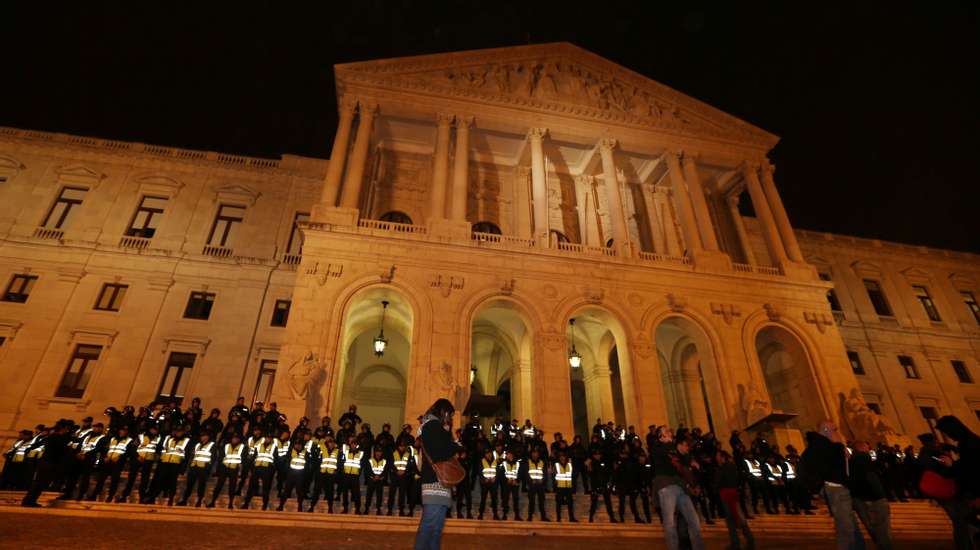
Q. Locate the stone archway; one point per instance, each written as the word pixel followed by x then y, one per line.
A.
pixel 501 349
pixel 688 372
pixel 788 375
pixel 378 385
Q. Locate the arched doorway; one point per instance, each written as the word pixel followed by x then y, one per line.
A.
pixel 789 376
pixel 501 356
pixel 599 387
pixel 687 370
pixel 377 384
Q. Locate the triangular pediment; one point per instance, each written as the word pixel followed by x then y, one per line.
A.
pixel 559 78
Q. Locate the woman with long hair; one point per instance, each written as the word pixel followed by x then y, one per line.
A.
pixel 435 431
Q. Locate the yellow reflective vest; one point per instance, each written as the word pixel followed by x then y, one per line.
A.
pixel 563 475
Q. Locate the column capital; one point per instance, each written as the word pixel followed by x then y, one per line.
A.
pixel 732 200
pixel 749 167
pixel 584 179
pixel 537 133
pixel 444 119
pixel 688 157
pixel 607 144
pixel 767 168
pixel 347 104
pixel 464 121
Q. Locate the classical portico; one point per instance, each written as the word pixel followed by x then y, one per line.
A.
pixel 570 188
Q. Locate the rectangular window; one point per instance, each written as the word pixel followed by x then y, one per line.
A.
pixel 855 360
pixel 2 340
pixel 877 297
pixel 176 376
pixel 909 366
pixel 931 416
pixel 19 288
pixel 281 313
pixel 79 372
pixel 147 217
pixel 962 373
pixel 831 294
pixel 295 244
pixel 226 224
pixel 971 302
pixel 875 407
pixel 267 377
pixel 64 208
pixel 111 297
pixel 199 306
pixel 922 294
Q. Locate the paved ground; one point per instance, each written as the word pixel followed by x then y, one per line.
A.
pixel 20 531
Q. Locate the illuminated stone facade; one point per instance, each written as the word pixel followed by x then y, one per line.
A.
pixel 488 197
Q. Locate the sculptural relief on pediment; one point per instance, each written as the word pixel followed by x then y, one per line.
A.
pixel 557 77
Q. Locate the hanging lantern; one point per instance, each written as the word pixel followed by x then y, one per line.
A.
pixel 380 342
pixel 574 357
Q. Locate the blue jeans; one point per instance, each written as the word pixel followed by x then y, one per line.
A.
pixel 429 535
pixel 845 523
pixel 673 499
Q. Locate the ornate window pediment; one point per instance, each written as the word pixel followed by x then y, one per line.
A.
pixel 188 344
pixel 236 192
pixel 97 336
pixel 159 185
pixel 9 167
pixel 867 269
pixel 80 175
pixel 963 281
pixel 917 276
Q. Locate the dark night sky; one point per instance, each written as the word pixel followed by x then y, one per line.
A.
pixel 877 110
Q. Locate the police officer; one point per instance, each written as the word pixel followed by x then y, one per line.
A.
pixel 89 457
pixel 775 484
pixel 757 484
pixel 282 461
pixel 173 461
pixel 488 482
pixel 15 464
pixel 201 459
pixel 118 454
pixel 599 478
pixel 147 453
pixel 510 473
pixel 329 459
pixel 263 468
pixel 52 463
pixel 296 476
pixel 415 496
pixel 564 486
pixel 626 479
pixel 376 475
pixel 401 478
pixel 535 474
pixel 231 457
pixel 351 482
pixel 646 484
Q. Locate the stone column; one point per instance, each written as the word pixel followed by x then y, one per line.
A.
pixel 654 219
pixel 522 203
pixel 338 155
pixel 539 186
pixel 440 172
pixel 461 169
pixel 761 206
pixel 601 380
pixel 351 195
pixel 702 215
pixel 683 198
pixel 662 201
pixel 614 198
pixel 779 214
pixel 743 236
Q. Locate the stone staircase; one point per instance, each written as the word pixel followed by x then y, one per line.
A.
pixel 916 520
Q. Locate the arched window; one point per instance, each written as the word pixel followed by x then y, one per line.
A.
pixel 486 227
pixel 396 217
pixel 609 243
pixel 558 237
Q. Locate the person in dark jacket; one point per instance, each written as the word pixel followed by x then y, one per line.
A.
pixel 53 462
pixel 213 424
pixel 961 509
pixel 671 485
pixel 825 463
pixel 464 491
pixel 599 474
pixel 435 431
pixel 868 496
pixel 727 481
pixel 626 480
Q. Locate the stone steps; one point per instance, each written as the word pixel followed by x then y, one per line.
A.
pixel 915 520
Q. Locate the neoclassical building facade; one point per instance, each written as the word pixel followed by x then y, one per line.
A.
pixel 485 217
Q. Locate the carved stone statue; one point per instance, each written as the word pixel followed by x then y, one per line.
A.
pixel 302 375
pixel 863 423
pixel 753 403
